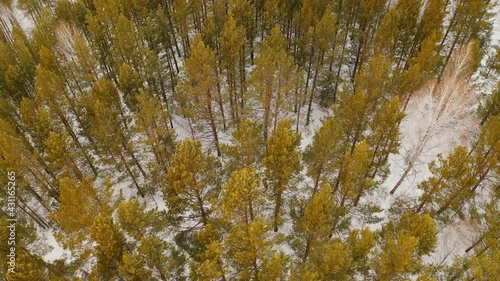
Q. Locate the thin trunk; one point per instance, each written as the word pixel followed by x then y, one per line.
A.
pixel 276 107
pixel 277 208
pixel 475 244
pixel 448 29
pixel 298 107
pixel 129 171
pixel 131 153
pixel 41 222
pixel 231 93
pixel 77 142
pixel 309 67
pixel 357 63
pixel 448 56
pixel 219 100
pixel 212 122
pixel 203 213
pixel 70 162
pixel 341 58
pixel 403 177
pixel 250 208
pixel 318 177
pixel 267 109
pixel 313 90
pixel 307 250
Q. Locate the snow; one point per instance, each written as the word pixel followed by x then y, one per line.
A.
pixel 495 37
pixel 57 251
pixel 26 23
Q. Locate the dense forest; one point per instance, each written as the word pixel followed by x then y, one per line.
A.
pixel 249 140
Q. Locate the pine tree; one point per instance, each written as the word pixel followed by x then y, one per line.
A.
pixel 100 22
pixel 384 138
pixel 79 206
pixel 108 126
pixel 137 222
pixel 355 110
pixel 52 94
pixel 60 156
pixel 36 122
pixel 313 230
pixel 153 120
pixel 151 255
pixel 340 260
pixel 358 20
pixel 210 268
pixel 486 267
pixel 245 13
pixel 420 68
pixel 322 37
pixel 18 155
pixel 192 182
pixel 199 88
pixel 491 106
pixel 335 262
pixel 403 245
pixel 126 48
pixel 483 264
pixel 469 21
pixel 282 163
pixel 242 198
pixel 368 15
pixel 396 258
pixel 248 148
pixel 86 62
pixel 273 83
pixel 474 168
pixel 321 156
pixel 452 178
pixel 430 25
pixel 247 246
pixel 492 65
pixel 28 267
pixel 110 243
pixel 250 254
pixel 162 258
pixel 129 83
pixel 18 63
pixel 232 41
pixel 133 268
pixel 361 243
pixel 354 179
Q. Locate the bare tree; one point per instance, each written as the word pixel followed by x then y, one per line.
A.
pixel 441 107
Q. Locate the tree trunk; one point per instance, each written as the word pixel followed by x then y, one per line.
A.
pixel 212 122
pixel 129 171
pixel 277 209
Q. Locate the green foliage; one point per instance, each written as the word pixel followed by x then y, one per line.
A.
pixel 321 155
pixel 282 163
pixel 248 146
pixel 192 182
pixel 315 226
pixel 79 206
pixel 242 197
pixel 109 249
pixel 272 83
pixel 138 222
pixel 403 245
